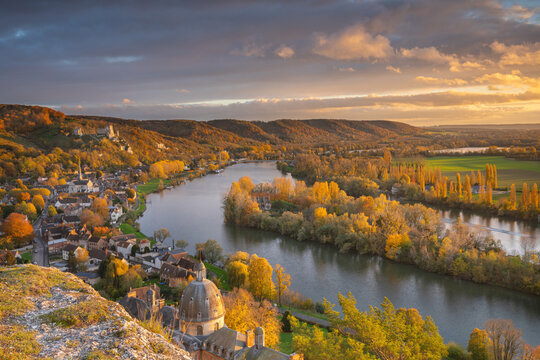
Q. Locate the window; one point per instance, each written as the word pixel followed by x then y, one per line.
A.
pixel 199 330
pixel 216 327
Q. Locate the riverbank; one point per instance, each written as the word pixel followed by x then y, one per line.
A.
pixel 194 212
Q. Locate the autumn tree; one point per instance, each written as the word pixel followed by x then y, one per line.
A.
pixel 524 197
pixel 316 344
pixel 17 231
pixel 504 340
pixel 90 219
pixel 283 281
pixel 51 211
pixel 513 200
pixel 38 202
pixel 388 333
pixel 100 207
pixel 238 273
pixel 478 345
pixel 260 277
pixel 244 313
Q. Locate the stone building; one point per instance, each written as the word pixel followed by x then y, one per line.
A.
pixel 201 329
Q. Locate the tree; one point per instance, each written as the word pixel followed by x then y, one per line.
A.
pixel 161 234
pixel 244 313
pixel 90 219
pixel 478 345
pixel 51 211
pixel 238 273
pixel 317 344
pixel 72 263
pixel 211 250
pixel 524 197
pixel 505 340
pixel 38 202
pixel 17 230
pixel 283 281
pixel 81 257
pixel 182 244
pixel 513 200
pixel 260 277
pixel 27 209
pixel 101 207
pixel 388 333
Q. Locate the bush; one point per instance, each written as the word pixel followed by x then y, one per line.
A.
pixel 319 308
pixel 286 322
pixel 456 352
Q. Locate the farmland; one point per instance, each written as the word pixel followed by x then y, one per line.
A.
pixel 509 171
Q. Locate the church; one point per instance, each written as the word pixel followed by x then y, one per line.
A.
pixel 198 325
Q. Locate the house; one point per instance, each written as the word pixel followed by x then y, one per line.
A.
pixel 115 212
pixel 174 275
pixel 186 263
pixel 66 250
pixel 98 243
pixel 119 238
pixel 173 256
pixel 143 302
pixel 61 204
pixel 144 244
pixel 124 248
pixel 152 260
pixel 81 186
pixel 77 132
pixel 95 256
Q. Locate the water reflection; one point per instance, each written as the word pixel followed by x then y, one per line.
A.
pixel 193 212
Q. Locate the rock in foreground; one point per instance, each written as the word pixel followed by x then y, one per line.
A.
pixel 45 313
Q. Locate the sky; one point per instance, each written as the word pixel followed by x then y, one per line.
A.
pixel 423 62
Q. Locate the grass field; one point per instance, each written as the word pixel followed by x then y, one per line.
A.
pixel 151 186
pixel 509 171
pixel 128 229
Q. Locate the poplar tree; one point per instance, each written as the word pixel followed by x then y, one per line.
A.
pixel 458 183
pixel 513 198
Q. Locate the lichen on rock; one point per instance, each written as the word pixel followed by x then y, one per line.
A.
pixel 45 313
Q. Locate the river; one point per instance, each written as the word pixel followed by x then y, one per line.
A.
pixel 193 212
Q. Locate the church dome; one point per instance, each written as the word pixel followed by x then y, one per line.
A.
pixel 201 300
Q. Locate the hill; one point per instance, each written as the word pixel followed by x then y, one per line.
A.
pixel 45 313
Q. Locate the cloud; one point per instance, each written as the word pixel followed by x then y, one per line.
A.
pixel 393 69
pixel 433 55
pixel 520 12
pixel 525 54
pixel 250 49
pixel 284 52
pixel 354 43
pixel 346 69
pixel 185 91
pixel 127 101
pixel 437 81
pixel 122 59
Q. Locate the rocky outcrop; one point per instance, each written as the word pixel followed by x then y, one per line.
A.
pixel 45 313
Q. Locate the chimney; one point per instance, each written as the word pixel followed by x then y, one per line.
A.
pixel 259 338
pixel 250 338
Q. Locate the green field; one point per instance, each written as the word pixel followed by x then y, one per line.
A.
pixel 509 171
pixel 152 186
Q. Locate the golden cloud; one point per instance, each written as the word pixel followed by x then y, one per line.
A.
pixel 437 81
pixel 354 43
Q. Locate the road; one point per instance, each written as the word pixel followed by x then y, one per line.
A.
pixel 40 252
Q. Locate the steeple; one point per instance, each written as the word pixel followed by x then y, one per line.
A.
pixel 200 271
pixel 80 171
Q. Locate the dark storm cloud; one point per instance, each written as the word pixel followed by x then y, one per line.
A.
pixel 93 53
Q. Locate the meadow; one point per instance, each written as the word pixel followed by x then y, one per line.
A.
pixel 509 171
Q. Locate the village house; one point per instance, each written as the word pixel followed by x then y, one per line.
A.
pixel 144 244
pixel 174 275
pixel 61 204
pixel 98 243
pixel 124 248
pixel 115 212
pixel 95 257
pixel 69 248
